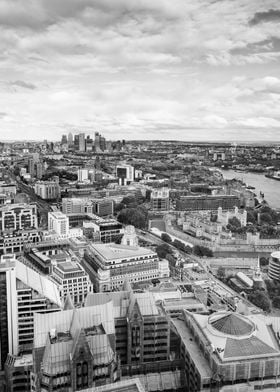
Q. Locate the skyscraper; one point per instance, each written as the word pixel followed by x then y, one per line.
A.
pixel 82 142
pixel 64 139
pixel 31 167
pixel 22 292
pixel 70 139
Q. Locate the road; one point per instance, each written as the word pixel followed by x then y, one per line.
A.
pixel 43 206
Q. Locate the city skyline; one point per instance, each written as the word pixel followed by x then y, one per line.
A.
pixel 194 71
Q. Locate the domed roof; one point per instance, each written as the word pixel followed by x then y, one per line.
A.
pixel 232 324
pixel 22 198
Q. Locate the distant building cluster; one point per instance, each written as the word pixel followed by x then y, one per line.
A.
pixel 130 266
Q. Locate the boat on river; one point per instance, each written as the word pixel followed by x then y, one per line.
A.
pixel 274 175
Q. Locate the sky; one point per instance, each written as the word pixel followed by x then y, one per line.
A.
pixel 140 69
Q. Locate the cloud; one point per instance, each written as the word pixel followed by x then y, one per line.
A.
pixel 23 84
pixel 266 16
pixel 127 66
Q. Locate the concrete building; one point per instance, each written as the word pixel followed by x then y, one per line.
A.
pixel 18 216
pixel 58 222
pixel 125 174
pixel 110 265
pixel 229 351
pixel 8 189
pixel 82 142
pixel 70 277
pixel 207 202
pixel 70 139
pixel 100 207
pixel 75 349
pixel 142 329
pixel 47 190
pixel 31 167
pixel 274 266
pixel 39 170
pixel 22 293
pixel 160 200
pixel 15 241
pixel 108 230
pixel 82 175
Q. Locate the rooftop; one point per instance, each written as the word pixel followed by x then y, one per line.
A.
pixel 234 336
pixel 231 324
pixel 132 385
pixel 193 348
pixel 113 251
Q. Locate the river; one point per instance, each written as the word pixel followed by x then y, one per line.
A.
pixel 270 188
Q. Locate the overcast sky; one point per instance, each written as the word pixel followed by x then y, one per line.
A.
pixel 140 69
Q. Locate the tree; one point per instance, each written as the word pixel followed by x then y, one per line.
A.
pixel 221 273
pixel 171 259
pixel 276 302
pixel 163 250
pixel 129 201
pixel 133 216
pixel 201 251
pixel 264 261
pixel 234 222
pixel 213 218
pixel 165 237
pixel 118 207
pixel 260 299
pixel 251 217
pixel 179 245
pixel 265 217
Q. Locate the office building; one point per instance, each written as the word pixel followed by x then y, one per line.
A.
pixel 101 207
pixel 82 175
pixel 20 216
pixel 142 328
pixel 70 139
pixel 8 189
pixel 64 139
pixel 99 142
pixel 82 142
pixel 89 144
pixel 31 167
pixel 110 265
pixel 109 230
pixel 207 202
pixel 47 190
pixel 22 292
pixel 75 349
pixel 229 351
pixel 274 266
pixel 160 200
pixel 125 174
pixel 39 170
pixel 58 222
pixel 14 242
pixel 70 276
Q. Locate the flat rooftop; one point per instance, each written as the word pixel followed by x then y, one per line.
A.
pixel 113 251
pixel 193 348
pixel 132 385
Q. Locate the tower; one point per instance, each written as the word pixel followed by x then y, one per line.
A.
pixel 82 142
pixel 8 309
pixel 130 236
pixel 70 139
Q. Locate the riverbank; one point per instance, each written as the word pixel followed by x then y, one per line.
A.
pixel 269 187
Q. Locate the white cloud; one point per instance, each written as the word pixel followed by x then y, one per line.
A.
pixel 130 65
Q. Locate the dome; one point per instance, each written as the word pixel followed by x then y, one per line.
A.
pixel 22 198
pixel 232 324
pixel 130 230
